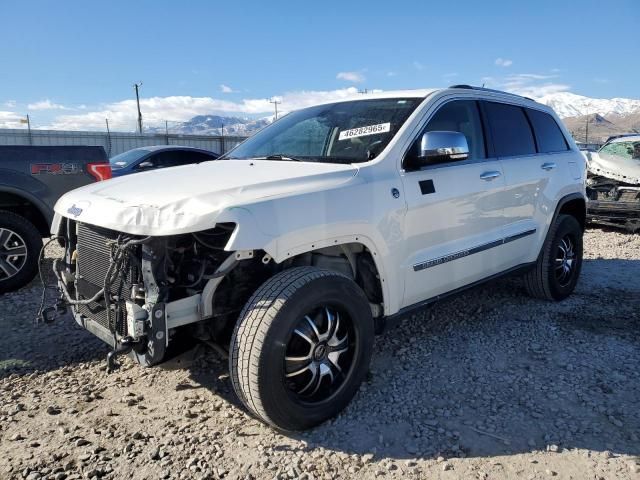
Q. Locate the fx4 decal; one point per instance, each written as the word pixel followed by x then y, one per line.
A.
pixel 55 168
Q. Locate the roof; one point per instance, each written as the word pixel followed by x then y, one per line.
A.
pixel 422 93
pixel 625 138
pixel 155 148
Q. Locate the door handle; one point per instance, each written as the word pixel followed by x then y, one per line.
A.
pixel 488 176
pixel 548 166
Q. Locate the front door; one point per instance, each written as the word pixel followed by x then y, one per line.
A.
pixel 454 221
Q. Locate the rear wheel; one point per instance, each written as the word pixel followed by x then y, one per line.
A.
pixel 301 347
pixel 558 267
pixel 20 244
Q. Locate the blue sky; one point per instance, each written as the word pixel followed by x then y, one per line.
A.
pixel 71 63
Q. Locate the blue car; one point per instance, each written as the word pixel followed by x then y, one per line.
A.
pixel 154 157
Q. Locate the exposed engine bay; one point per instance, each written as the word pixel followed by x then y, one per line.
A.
pixel 137 293
pixel 613 184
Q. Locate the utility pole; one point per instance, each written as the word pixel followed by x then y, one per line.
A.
pixel 108 137
pixel 137 86
pixel 166 131
pixel 587 130
pixel 275 102
pixel 222 137
pixel 29 127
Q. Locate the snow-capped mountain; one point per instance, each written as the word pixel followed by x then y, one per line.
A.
pixel 568 104
pixel 212 125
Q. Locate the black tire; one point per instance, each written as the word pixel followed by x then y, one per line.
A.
pixel 545 281
pixel 265 331
pixel 16 271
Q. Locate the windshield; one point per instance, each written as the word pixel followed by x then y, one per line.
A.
pixel 627 150
pixel 127 158
pixel 347 132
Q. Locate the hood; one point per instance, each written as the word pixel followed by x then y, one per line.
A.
pixel 189 198
pixel 616 167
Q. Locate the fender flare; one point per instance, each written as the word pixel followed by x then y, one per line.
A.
pixel 563 201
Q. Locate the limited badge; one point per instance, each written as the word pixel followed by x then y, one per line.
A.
pixel 364 131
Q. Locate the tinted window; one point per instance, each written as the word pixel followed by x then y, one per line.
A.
pixel 548 134
pixel 460 116
pixel 510 130
pixel 127 158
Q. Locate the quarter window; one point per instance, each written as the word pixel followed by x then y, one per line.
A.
pixel 548 134
pixel 461 116
pixel 510 130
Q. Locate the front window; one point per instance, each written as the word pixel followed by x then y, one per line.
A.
pixel 127 158
pixel 617 150
pixel 346 132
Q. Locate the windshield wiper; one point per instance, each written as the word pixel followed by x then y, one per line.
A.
pixel 281 157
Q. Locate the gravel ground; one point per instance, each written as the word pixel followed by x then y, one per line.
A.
pixel 490 384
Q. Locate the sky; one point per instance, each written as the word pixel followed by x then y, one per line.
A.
pixel 71 64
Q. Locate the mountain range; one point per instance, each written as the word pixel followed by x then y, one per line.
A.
pixel 605 117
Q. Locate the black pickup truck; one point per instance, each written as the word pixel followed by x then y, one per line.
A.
pixel 32 178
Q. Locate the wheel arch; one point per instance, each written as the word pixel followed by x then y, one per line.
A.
pixel 575 205
pixel 359 253
pixel 23 204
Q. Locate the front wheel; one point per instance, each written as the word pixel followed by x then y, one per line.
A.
pixel 558 266
pixel 301 347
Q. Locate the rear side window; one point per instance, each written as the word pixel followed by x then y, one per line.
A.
pixel 548 134
pixel 510 130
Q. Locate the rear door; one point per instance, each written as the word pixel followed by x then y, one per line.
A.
pixel 454 216
pixel 530 147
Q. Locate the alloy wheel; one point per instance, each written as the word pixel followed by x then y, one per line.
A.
pixel 13 253
pixel 564 262
pixel 319 354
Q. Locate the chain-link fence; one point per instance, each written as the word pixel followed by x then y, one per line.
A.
pixel 116 142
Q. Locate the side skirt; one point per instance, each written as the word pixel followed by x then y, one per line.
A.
pixel 392 321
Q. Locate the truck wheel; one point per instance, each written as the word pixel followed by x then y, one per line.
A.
pixel 20 244
pixel 301 347
pixel 558 267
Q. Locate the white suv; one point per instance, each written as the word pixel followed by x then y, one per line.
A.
pixel 297 246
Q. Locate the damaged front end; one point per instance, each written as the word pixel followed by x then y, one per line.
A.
pixel 613 185
pixel 134 292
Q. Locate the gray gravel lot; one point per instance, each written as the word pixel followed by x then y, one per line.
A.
pixel 490 384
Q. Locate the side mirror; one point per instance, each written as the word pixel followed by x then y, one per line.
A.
pixel 437 147
pixel 146 164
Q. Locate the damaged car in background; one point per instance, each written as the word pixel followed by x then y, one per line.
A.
pixel 613 183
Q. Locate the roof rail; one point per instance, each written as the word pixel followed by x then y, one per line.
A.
pixel 483 89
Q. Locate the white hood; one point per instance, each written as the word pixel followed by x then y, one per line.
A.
pixel 190 198
pixel 616 167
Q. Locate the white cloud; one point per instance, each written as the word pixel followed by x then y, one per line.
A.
pixel 226 88
pixel 122 115
pixel 391 74
pixel 528 84
pixel 10 103
pixel 11 120
pixel 355 77
pixel 46 105
pixel 418 66
pixel 503 62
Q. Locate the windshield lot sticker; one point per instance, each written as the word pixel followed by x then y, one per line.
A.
pixel 364 131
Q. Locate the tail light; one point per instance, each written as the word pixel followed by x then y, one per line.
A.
pixel 99 171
